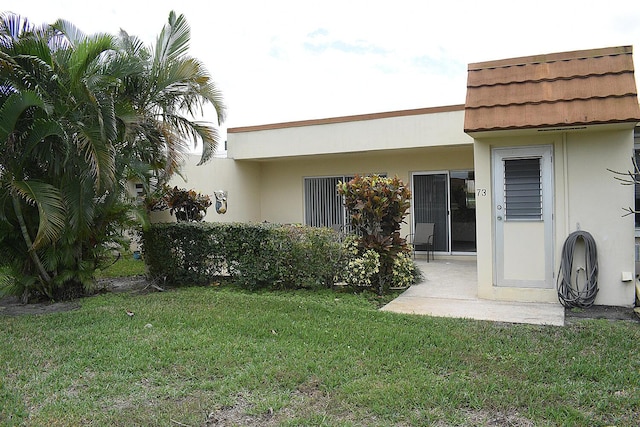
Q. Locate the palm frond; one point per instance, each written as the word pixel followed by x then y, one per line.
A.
pixel 99 155
pixel 79 199
pixel 139 171
pixel 13 26
pixel 8 67
pixel 33 72
pixel 51 209
pixel 176 147
pixel 39 130
pixel 86 52
pixel 204 88
pixel 73 36
pixel 132 45
pixel 13 107
pixel 140 216
pixel 210 141
pixel 183 132
pixel 173 40
pixel 211 92
pixel 185 84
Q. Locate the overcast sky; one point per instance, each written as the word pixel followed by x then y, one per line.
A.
pixel 285 60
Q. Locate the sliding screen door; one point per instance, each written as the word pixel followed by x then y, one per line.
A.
pixel 462 195
pixel 431 204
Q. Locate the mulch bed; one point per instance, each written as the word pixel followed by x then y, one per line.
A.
pixel 12 306
pixel 601 312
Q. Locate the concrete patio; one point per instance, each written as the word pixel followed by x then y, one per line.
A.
pixel 449 289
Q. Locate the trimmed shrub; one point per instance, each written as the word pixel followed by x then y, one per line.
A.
pixel 253 255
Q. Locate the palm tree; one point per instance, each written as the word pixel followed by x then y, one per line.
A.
pixel 166 88
pixel 79 116
pixel 57 133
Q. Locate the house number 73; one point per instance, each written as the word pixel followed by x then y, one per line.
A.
pixel 481 192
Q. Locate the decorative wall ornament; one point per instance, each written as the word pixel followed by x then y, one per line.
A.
pixel 221 201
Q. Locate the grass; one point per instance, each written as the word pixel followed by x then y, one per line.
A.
pixel 307 359
pixel 124 266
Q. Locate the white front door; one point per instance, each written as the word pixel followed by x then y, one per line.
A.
pixel 523 216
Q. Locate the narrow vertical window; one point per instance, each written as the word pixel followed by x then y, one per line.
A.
pixel 322 204
pixel 523 189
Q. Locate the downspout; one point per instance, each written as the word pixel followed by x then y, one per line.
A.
pixel 565 160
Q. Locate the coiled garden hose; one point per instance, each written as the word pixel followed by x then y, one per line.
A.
pixel 576 295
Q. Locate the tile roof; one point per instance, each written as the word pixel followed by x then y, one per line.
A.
pixel 585 87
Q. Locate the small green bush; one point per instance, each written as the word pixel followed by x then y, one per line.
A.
pixel 253 255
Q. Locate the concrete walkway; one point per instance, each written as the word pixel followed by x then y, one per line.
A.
pixel 450 290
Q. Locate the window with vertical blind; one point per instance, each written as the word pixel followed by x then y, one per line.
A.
pixel 323 205
pixel 523 189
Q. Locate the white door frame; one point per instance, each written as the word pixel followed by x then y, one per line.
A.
pixel 545 154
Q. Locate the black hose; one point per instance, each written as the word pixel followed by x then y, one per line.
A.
pixel 578 296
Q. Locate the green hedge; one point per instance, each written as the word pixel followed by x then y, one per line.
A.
pixel 253 255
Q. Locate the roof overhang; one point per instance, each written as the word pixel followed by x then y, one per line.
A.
pixel 500 133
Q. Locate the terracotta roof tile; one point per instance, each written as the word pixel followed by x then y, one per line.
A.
pixel 480 75
pixel 572 88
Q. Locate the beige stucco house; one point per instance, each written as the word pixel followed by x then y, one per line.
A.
pixel 565 119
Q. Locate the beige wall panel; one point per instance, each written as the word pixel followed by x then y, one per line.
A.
pixel 282 195
pixel 240 179
pixel 392 133
pixel 596 201
pixel 484 218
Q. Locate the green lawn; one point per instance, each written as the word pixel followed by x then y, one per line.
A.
pixel 124 266
pixel 209 354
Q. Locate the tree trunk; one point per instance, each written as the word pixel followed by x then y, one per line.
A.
pixel 45 278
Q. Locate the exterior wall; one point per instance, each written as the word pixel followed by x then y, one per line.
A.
pixel 265 182
pixel 587 196
pixel 440 128
pixel 282 193
pixel 265 171
pixel 596 202
pixel 241 180
pixel 273 190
